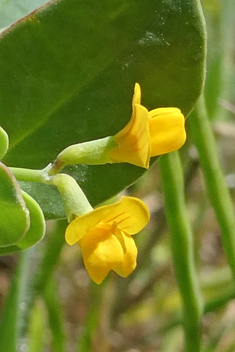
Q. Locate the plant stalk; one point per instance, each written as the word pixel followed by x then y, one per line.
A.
pixel 215 183
pixel 182 249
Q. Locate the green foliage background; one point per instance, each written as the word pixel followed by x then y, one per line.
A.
pixel 68 72
pixel 144 311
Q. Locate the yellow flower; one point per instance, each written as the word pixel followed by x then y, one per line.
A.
pixel 148 133
pixel 105 237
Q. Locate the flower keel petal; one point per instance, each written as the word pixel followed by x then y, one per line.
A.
pixel 101 252
pixel 128 263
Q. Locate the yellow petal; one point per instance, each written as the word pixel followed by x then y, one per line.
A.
pixel 128 263
pixel 134 140
pixel 101 252
pixel 130 214
pixel 137 94
pixel 166 126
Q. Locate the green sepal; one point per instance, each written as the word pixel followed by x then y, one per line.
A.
pixel 94 152
pixel 14 215
pixel 4 142
pixel 36 230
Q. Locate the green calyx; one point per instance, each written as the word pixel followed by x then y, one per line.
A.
pixel 94 152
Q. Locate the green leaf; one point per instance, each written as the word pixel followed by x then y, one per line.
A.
pixel 36 230
pixel 67 74
pixel 14 216
pixel 13 10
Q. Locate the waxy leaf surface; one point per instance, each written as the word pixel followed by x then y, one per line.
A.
pixel 14 216
pixel 36 229
pixel 67 75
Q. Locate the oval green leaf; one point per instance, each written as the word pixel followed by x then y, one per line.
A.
pixel 67 74
pixel 14 216
pixel 36 230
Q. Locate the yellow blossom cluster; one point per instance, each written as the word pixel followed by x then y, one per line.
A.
pixel 105 234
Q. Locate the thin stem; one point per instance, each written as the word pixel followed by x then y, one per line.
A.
pixel 123 302
pixel 51 254
pixel 219 302
pixel 182 248
pixel 92 319
pixel 209 306
pixel 29 175
pixel 55 315
pixel 74 200
pixel 215 183
pixel 18 304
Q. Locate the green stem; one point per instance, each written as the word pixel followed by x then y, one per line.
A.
pixel 219 302
pixel 182 248
pixel 51 253
pixel 74 200
pixel 92 319
pixel 55 315
pixel 226 61
pixel 37 328
pixel 210 306
pixel 216 186
pixel 31 278
pixel 18 304
pixel 29 175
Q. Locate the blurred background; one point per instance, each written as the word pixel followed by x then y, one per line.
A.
pixel 143 312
